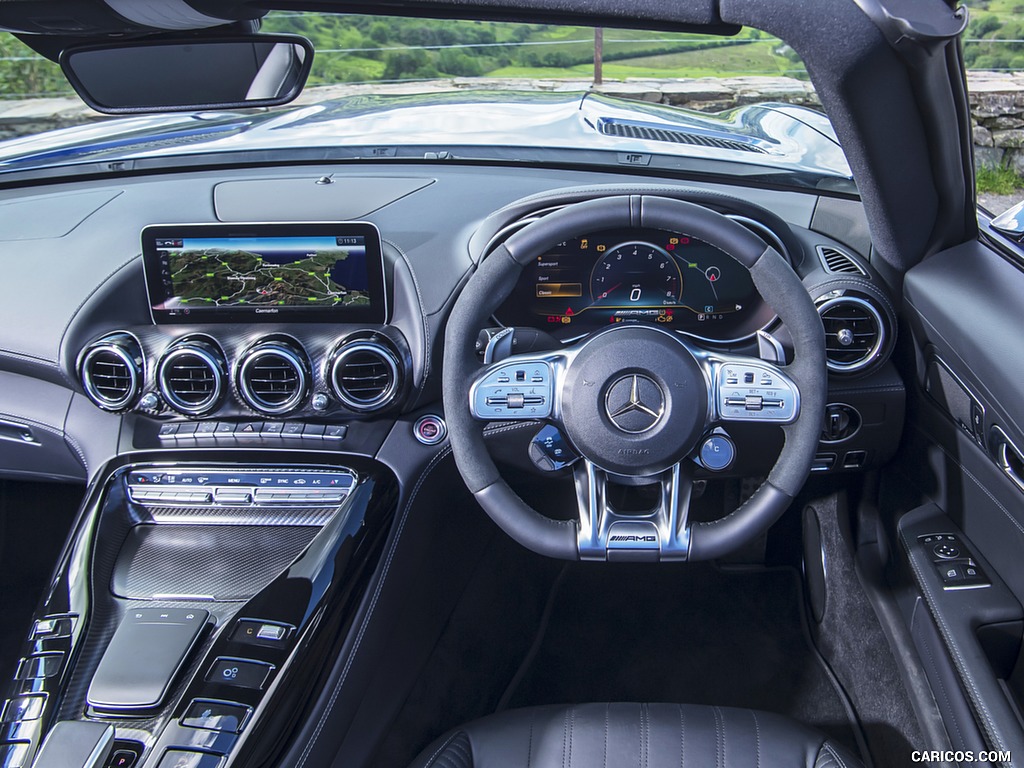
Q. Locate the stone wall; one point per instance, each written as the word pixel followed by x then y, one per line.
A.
pixel 997 103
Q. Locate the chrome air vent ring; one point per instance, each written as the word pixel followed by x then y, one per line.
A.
pixel 273 378
pixel 111 371
pixel 191 377
pixel 365 375
pixel 855 333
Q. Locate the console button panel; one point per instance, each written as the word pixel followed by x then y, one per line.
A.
pixel 244 487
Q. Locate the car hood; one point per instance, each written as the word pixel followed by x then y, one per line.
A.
pixel 458 124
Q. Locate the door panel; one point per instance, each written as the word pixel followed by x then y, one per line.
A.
pixel 963 319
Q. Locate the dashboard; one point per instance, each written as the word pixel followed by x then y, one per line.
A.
pixel 273 347
pixel 637 275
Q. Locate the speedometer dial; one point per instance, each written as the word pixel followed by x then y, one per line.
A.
pixel 635 274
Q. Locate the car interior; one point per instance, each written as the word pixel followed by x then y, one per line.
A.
pixel 596 458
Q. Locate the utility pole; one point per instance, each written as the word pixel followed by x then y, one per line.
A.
pixel 598 55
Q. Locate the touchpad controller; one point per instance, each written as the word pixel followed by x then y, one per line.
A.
pixel 143 658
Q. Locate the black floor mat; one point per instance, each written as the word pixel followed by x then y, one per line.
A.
pixel 34 522
pixel 691 634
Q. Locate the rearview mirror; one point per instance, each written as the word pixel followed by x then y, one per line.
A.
pixel 189 74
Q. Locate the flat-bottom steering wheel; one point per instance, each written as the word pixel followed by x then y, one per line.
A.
pixel 634 400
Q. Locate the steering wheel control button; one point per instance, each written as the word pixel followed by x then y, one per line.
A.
pixel 269 634
pixel 764 395
pixel 549 451
pixel 946 551
pixel 717 453
pixel 183 758
pixel 216 715
pixel 514 390
pixel 430 429
pixel 242 673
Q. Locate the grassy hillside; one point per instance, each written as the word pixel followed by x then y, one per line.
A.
pixel 360 48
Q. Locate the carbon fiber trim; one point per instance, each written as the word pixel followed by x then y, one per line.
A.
pixel 262 516
pixel 205 562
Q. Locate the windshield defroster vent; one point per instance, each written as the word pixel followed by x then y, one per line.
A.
pixel 839 262
pixel 647 132
pixel 854 333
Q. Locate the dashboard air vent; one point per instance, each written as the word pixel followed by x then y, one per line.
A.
pixel 273 378
pixel 111 370
pixel 649 132
pixel 839 262
pixel 191 377
pixel 854 333
pixel 365 375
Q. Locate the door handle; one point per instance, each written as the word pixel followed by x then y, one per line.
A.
pixel 17 433
pixel 1009 458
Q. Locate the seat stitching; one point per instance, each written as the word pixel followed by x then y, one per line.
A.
pixel 757 737
pixel 682 737
pixel 606 708
pixel 645 733
pixel 718 738
pixel 529 749
pixel 565 728
pixel 572 725
pixel 835 756
pixel 441 749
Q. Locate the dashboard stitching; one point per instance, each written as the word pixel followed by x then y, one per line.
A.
pixel 31 358
pixel 86 300
pixel 423 316
pixel 859 285
pixel 865 391
pixel 444 452
pixel 57 431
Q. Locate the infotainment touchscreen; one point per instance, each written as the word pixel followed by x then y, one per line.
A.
pixel 264 272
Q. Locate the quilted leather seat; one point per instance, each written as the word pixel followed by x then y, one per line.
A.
pixel 634 735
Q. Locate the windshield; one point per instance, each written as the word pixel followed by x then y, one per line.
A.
pixel 471 89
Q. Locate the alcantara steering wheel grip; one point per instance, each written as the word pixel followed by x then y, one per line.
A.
pixel 634 400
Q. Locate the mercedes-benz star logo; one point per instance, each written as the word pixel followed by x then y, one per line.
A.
pixel 635 403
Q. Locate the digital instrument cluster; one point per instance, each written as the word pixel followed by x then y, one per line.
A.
pixel 637 275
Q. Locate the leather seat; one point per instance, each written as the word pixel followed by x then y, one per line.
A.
pixel 634 735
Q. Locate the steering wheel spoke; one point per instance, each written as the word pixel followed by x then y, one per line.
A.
pixel 659 533
pixel 751 390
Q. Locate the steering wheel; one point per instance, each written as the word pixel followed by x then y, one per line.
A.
pixel 634 400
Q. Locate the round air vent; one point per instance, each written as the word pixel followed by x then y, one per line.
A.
pixel 191 377
pixel 272 377
pixel 365 375
pixel 854 333
pixel 111 370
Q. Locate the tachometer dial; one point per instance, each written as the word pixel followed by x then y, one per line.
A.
pixel 635 274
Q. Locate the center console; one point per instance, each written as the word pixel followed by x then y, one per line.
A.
pixel 192 611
